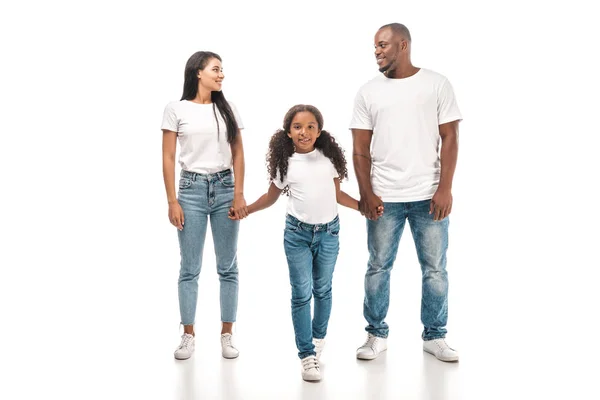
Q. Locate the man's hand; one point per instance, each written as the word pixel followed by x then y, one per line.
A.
pixel 441 204
pixel 370 206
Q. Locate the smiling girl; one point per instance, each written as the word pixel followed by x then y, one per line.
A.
pixel 306 163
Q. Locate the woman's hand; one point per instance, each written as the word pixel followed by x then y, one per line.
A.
pixel 176 215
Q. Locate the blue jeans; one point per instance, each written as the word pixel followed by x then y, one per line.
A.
pixel 311 251
pixel 204 196
pixel 431 242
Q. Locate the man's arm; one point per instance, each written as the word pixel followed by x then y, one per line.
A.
pixel 441 203
pixel 361 157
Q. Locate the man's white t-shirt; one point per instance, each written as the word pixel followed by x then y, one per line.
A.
pixel 312 189
pixel 203 149
pixel 404 115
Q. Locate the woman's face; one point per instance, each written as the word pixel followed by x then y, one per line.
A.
pixel 211 77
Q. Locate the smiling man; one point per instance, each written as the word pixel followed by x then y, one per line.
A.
pixel 400 118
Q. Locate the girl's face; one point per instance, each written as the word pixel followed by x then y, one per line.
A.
pixel 304 131
pixel 211 77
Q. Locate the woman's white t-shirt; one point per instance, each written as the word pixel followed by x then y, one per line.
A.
pixel 311 186
pixel 204 149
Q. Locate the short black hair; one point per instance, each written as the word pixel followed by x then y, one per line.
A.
pixel 398 29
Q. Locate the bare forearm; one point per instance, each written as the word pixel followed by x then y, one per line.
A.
pixel 346 200
pixel 239 172
pixel 362 169
pixel 169 177
pixel 266 200
pixel 448 157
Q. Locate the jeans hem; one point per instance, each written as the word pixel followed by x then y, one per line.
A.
pixel 307 354
pixel 433 338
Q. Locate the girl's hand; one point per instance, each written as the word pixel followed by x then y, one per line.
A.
pixel 176 215
pixel 232 215
pixel 380 211
pixel 239 206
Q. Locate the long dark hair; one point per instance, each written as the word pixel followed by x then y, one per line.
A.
pixel 198 62
pixel 281 146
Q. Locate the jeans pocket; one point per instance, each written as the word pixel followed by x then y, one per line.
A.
pixel 335 232
pixel 184 183
pixel 227 180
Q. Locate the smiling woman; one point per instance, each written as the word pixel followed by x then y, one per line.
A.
pixel 207 127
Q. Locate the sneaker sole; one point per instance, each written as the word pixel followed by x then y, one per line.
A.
pixel 450 359
pixel 369 357
pixel 183 358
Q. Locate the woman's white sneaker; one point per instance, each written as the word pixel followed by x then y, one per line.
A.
pixel 310 369
pixel 440 349
pixel 371 348
pixel 228 350
pixel 186 347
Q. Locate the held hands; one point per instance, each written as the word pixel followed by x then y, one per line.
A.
pixel 441 204
pixel 371 206
pixel 238 209
pixel 176 215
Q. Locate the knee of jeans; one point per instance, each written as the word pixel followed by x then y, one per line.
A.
pixel 301 293
pixel 322 292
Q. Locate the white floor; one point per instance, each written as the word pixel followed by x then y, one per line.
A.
pixel 523 331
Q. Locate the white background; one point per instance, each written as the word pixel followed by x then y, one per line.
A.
pixel 89 261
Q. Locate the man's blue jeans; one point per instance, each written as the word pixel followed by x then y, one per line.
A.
pixel 431 241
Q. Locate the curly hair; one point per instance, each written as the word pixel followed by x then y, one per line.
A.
pixel 281 147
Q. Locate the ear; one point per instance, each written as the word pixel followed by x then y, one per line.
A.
pixel 319 133
pixel 289 135
pixel 198 75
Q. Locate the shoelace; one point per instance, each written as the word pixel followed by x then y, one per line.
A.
pixel 226 341
pixel 185 341
pixel 441 343
pixel 310 362
pixel 371 342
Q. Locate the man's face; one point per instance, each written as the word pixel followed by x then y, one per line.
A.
pixel 387 49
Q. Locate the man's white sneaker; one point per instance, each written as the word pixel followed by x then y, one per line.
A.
pixel 310 369
pixel 440 349
pixel 319 344
pixel 227 348
pixel 186 347
pixel 371 348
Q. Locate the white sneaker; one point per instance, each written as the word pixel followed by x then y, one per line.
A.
pixel 319 344
pixel 227 348
pixel 372 347
pixel 440 349
pixel 310 369
pixel 186 347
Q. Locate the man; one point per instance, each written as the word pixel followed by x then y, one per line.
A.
pixel 398 121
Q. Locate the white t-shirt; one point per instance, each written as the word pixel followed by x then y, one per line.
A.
pixel 404 115
pixel 203 149
pixel 312 189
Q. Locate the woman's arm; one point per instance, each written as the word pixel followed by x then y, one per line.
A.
pixel 168 149
pixel 237 152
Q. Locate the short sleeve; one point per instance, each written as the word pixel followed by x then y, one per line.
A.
pixel 278 182
pixel 333 171
pixel 361 118
pixel 237 116
pixel 447 107
pixel 169 121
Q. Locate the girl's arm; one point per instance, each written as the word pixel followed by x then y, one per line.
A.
pixel 264 201
pixel 346 200
pixel 343 198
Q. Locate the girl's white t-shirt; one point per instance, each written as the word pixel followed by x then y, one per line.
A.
pixel 204 149
pixel 311 186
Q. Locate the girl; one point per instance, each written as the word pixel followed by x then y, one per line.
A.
pixel 208 129
pixel 307 164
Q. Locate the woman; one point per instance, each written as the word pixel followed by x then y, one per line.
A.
pixel 208 129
